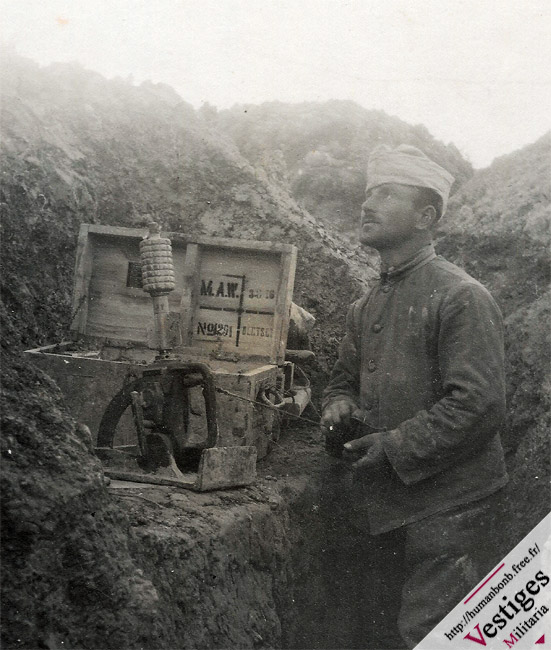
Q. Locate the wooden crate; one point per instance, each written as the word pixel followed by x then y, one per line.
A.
pixel 230 309
pixel 231 295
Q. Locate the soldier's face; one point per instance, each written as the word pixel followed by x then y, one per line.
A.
pixel 388 216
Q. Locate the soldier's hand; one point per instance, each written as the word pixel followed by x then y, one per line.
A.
pixel 337 413
pixel 366 452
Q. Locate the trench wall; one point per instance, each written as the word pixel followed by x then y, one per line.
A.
pixel 275 565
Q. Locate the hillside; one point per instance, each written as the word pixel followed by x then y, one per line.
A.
pixel 320 151
pixel 497 228
pixel 511 197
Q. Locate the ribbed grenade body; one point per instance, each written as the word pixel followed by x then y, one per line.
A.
pixel 157 266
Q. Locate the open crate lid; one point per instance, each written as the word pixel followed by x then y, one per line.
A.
pixel 232 297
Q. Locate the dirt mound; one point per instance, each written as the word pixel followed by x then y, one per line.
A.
pixel 65 548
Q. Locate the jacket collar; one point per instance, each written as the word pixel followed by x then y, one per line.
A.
pixel 426 254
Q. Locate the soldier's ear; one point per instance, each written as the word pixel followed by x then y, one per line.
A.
pixel 426 218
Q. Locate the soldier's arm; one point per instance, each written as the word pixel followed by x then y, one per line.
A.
pixel 341 397
pixel 472 408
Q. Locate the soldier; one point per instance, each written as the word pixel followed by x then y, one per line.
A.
pixel 421 367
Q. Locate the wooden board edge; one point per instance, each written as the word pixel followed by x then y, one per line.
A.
pixel 190 297
pixel 81 281
pixel 223 242
pixel 283 307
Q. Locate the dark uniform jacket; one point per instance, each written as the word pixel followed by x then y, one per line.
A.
pixel 423 358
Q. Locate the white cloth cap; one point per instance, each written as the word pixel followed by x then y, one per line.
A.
pixel 407 165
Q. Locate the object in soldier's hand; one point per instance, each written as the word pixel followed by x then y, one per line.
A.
pixel 336 437
pixel 334 443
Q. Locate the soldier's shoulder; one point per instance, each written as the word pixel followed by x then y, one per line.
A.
pixel 455 281
pixel 452 274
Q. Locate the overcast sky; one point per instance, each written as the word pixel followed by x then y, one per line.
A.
pixel 475 72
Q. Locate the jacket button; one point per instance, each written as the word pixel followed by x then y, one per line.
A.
pixel 386 288
pixel 371 366
pixel 377 328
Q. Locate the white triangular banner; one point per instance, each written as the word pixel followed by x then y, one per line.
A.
pixel 510 608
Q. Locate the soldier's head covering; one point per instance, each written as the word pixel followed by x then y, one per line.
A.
pixel 407 165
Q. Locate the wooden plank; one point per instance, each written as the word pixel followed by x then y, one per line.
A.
pixel 118 231
pixel 236 244
pixel 139 476
pixel 81 283
pixel 218 242
pixel 224 467
pixel 88 385
pixel 190 292
pixel 237 300
pixel 117 311
pixel 54 348
pixel 283 307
